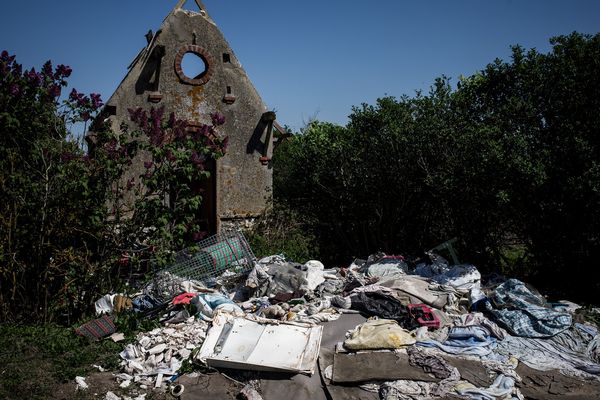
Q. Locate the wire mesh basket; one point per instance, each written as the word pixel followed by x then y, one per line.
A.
pixel 224 256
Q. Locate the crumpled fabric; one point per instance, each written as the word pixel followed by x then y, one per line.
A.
pixel 430 363
pixel 415 390
pixel 581 341
pixel 544 355
pixel 184 298
pixel 192 286
pixel 471 340
pixel 249 393
pixel 145 303
pixel 258 279
pixel 112 303
pixel 379 334
pixel 477 318
pixel 331 287
pixel 374 287
pixel 506 367
pixel 274 274
pixel 323 316
pixel 387 268
pixel 314 274
pixel 419 290
pixel 463 277
pixel 502 388
pixel 207 304
pixel 437 265
pixel 524 312
pixel 405 390
pixel 554 353
pixel 382 305
pixel 104 305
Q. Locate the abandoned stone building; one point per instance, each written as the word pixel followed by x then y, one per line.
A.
pixel 188 68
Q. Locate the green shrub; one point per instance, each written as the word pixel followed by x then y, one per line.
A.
pixel 282 231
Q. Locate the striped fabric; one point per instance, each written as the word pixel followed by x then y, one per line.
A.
pixel 98 328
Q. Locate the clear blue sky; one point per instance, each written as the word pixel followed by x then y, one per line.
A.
pixel 306 58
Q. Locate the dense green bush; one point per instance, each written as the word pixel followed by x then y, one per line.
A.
pixel 507 162
pixel 280 230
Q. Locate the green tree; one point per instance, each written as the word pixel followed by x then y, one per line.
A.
pixel 544 111
pixel 507 162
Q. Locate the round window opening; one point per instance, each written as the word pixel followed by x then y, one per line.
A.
pixel 193 65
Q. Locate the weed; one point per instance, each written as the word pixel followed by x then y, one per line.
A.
pixel 34 359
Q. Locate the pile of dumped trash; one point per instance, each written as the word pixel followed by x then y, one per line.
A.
pixel 430 329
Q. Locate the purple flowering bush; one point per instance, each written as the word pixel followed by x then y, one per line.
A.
pixel 168 194
pixel 74 221
pixel 55 240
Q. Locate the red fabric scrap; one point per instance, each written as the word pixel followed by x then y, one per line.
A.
pixel 184 298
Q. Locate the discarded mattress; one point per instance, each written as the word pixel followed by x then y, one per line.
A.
pixel 261 345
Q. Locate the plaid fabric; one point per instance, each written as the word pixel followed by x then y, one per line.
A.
pixel 98 328
pixel 524 312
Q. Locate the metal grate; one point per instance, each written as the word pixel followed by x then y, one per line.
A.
pixel 224 255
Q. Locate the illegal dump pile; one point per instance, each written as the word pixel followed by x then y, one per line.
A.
pixel 387 327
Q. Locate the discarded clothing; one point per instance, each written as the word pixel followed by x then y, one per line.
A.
pixel 274 274
pixel 249 393
pixel 387 268
pixel 429 362
pixel 104 305
pixel 566 306
pixel 383 306
pixel 184 298
pixel 405 390
pixel 411 390
pixel 379 334
pixel 98 328
pixel 503 387
pixel 416 289
pixel 112 303
pixel 374 287
pixel 581 341
pixel 258 279
pixel 330 287
pixel 547 354
pixel 462 277
pixel 437 265
pixel 207 304
pixel 471 340
pixel 145 303
pixel 314 274
pixel 524 312
pixel 476 318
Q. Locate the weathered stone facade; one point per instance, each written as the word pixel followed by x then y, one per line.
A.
pixel 157 77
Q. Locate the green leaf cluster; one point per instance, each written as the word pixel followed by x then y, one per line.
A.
pixel 506 161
